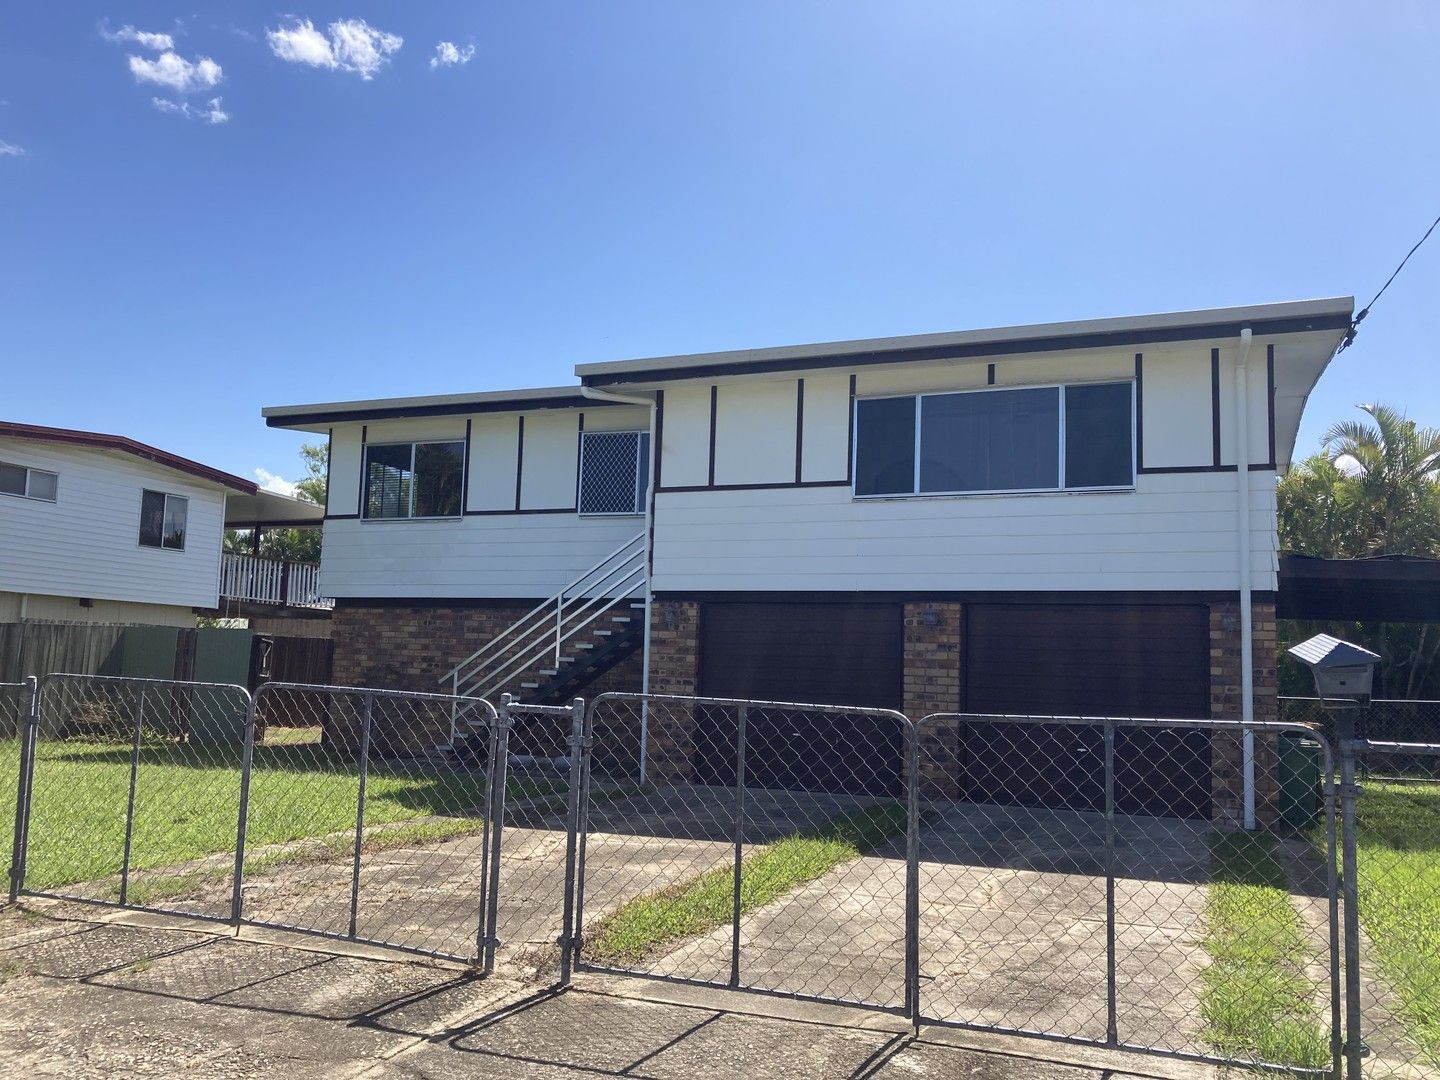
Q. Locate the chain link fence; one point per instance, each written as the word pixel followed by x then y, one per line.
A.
pixel 132 792
pixel 367 817
pixel 1095 881
pixel 718 848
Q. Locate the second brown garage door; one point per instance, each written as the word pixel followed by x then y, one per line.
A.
pixel 835 654
pixel 1129 660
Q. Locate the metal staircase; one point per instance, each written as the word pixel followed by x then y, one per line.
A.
pixel 566 641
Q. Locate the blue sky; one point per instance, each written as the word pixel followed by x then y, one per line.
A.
pixel 619 179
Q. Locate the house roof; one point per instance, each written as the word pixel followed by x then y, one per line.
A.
pixel 1298 316
pixel 545 397
pixel 94 440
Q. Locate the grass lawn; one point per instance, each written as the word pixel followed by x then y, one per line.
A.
pixel 1398 834
pixel 649 923
pixel 187 798
pixel 1256 1000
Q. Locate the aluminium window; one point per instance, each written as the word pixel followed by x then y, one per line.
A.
pixel 614 472
pixel 414 480
pixel 162 520
pixel 28 483
pixel 1042 438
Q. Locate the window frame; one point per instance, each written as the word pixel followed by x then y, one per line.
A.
pixel 1060 489
pixel 164 512
pixel 29 471
pixel 365 514
pixel 643 466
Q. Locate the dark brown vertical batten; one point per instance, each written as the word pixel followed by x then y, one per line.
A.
pixel 364 468
pixel 850 438
pixel 1139 411
pixel 714 404
pixel 659 435
pixel 799 426
pixel 465 470
pixel 519 457
pixel 1270 397
pixel 1215 407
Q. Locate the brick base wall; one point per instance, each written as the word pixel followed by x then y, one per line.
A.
pixel 1227 748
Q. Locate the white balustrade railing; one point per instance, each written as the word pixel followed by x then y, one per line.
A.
pixel 270 581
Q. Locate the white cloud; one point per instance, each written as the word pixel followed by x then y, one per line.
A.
pixel 144 38
pixel 212 113
pixel 448 54
pixel 352 45
pixel 270 481
pixel 10 149
pixel 173 71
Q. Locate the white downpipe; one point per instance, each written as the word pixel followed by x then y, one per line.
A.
pixel 1242 522
pixel 649 403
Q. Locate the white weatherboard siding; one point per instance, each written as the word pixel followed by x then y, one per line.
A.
pixel 1175 532
pixel 15 606
pixel 86 543
pixel 500 556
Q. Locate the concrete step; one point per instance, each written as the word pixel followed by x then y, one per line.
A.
pixel 620 618
pixel 529 686
pixel 602 633
pixel 584 644
pixel 549 672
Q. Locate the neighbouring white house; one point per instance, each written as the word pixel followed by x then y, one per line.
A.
pixel 99 528
pixel 1058 519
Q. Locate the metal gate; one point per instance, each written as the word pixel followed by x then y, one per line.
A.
pixel 709 856
pixel 163 760
pixel 1135 923
pixel 401 784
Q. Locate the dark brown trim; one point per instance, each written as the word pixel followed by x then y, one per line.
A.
pixel 1139 412
pixel 1270 398
pixel 1215 407
pixel 1157 470
pixel 714 408
pixel 94 440
pixel 753 487
pixel 799 428
pixel 659 435
pixel 342 517
pixel 579 455
pixel 465 471
pixel 410 412
pixel 1059 343
pixel 989 374
pixel 432 602
pixel 364 468
pixel 1158 597
pixel 519 457
pixel 850 436
pixel 513 513
pixel 329 450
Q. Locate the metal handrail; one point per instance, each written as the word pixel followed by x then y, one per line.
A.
pixel 543 607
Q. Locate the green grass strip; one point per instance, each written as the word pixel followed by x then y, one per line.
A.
pixel 647 924
pixel 1256 999
pixel 1398 880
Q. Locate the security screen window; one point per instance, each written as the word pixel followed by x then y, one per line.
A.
pixel 1044 438
pixel 163 519
pixel 614 472
pixel 1099 436
pixel 885 446
pixel 414 480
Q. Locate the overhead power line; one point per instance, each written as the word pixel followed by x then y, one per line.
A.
pixel 1359 318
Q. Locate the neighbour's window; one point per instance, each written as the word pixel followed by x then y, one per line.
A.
pixel 414 480
pixel 162 520
pixel 28 483
pixel 1046 438
pixel 614 472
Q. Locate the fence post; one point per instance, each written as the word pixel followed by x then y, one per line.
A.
pixel 1332 889
pixel 130 798
pixel 582 828
pixel 912 880
pixel 1112 1028
pixel 741 713
pixel 29 729
pixel 247 760
pixel 499 770
pixel 1355 1049
pixel 367 715
pixel 572 823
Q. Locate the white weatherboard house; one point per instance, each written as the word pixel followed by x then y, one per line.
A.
pixel 98 528
pixel 1041 519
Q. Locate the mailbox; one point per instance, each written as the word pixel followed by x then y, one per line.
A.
pixel 1343 672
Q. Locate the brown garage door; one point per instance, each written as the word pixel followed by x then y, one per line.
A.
pixel 1133 660
pixel 832 654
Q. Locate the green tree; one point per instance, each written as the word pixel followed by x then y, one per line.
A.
pixel 293 545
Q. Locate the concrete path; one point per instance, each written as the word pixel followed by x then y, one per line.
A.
pixel 138 996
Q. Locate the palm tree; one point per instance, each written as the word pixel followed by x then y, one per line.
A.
pixel 1393 493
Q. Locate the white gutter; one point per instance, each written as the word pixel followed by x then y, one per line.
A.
pixel 1242 523
pixel 649 403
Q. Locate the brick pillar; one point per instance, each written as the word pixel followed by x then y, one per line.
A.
pixel 932 685
pixel 674 669
pixel 1227 748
